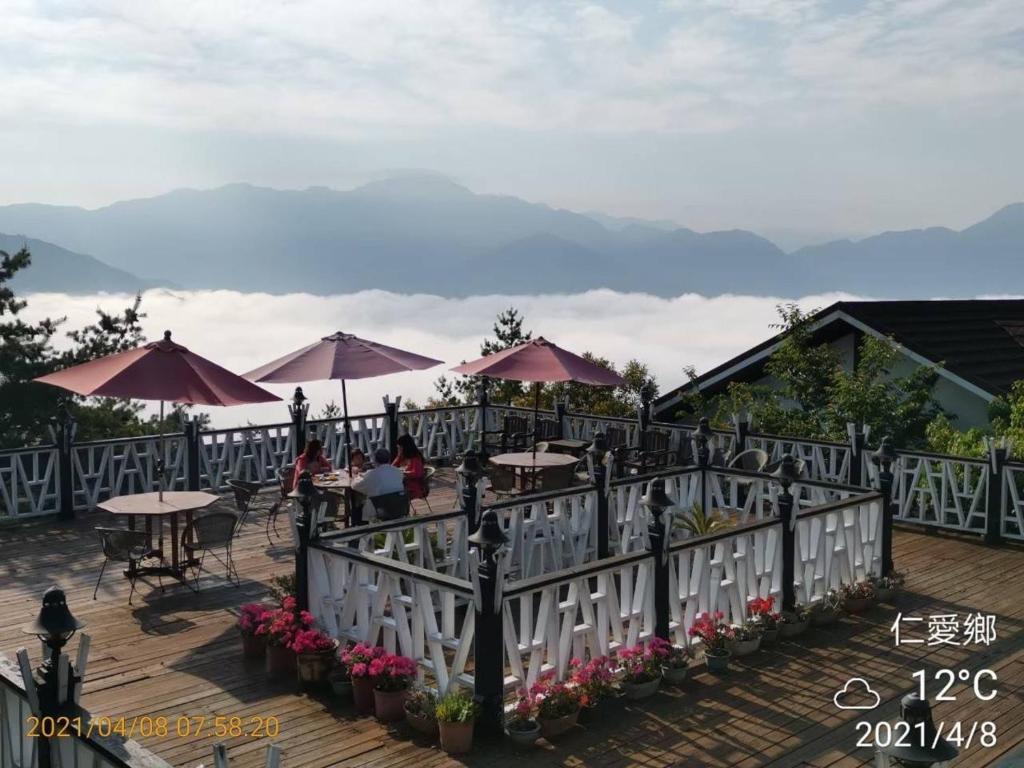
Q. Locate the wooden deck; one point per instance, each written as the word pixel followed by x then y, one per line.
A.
pixel 177 653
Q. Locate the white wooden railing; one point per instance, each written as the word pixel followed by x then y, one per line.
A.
pixel 1012 512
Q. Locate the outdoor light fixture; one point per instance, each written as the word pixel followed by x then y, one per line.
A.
pixel 597 451
pixel 885 456
pixel 656 500
pixel 469 470
pixel 54 626
pixel 924 748
pixel 488 537
pixel 298 399
pixel 703 435
pixel 787 472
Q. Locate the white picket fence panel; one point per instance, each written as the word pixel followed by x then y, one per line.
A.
pixel 838 547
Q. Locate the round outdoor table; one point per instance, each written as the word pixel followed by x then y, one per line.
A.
pixel 338 482
pixel 149 506
pixel 528 462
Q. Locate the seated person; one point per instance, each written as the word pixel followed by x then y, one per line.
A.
pixel 382 479
pixel 312 460
pixel 357 460
pixel 410 461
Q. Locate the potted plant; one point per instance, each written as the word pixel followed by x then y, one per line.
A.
pixel 456 716
pixel 420 705
pixel 641 668
pixel 340 680
pixel 746 638
pixel 794 622
pixel 392 676
pixel 858 597
pixel 558 705
pixel 762 611
pixel 677 665
pixel 826 610
pixel 279 626
pixel 521 723
pixel 594 681
pixel 887 586
pixel 715 637
pixel 314 656
pixel 250 618
pixel 357 660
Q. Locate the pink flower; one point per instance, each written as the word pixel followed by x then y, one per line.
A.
pixel 359 670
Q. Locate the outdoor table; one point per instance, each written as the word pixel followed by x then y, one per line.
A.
pixel 528 462
pixel 339 482
pixel 575 447
pixel 150 507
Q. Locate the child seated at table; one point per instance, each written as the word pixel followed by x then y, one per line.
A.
pixel 357 460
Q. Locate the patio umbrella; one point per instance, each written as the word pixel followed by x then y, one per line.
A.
pixel 161 370
pixel 540 361
pixel 340 356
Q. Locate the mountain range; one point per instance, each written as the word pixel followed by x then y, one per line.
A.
pixel 426 233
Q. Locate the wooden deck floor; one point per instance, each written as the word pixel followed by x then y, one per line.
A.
pixel 177 654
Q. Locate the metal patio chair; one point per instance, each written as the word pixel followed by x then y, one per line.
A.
pixel 121 546
pixel 244 493
pixel 208 534
pixel 285 477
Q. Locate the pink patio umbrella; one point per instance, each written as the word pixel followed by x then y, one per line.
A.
pixel 340 356
pixel 540 361
pixel 164 371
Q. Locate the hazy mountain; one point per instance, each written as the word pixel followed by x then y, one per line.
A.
pixel 424 232
pixel 56 269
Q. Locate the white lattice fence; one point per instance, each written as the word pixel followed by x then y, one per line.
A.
pixel 1013 501
pixel 828 462
pixel 253 454
pixel 840 546
pixel 121 467
pixel 441 433
pixel 550 534
pixel 947 492
pixel 629 518
pixel 28 482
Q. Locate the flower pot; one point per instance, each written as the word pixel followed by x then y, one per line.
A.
pixel 746 647
pixel 718 662
pixel 525 736
pixel 341 686
pixel 362 694
pixel 856 605
pixel 636 691
pixel 824 616
pixel 280 661
pixel 421 723
pixel 769 636
pixel 556 726
pixel 675 675
pixel 456 738
pixel 792 629
pixel 313 668
pixel 389 706
pixel 254 646
pixel 884 594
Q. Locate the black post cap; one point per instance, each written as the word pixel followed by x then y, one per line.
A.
pixel 489 536
pixel 786 474
pixel 656 498
pixel 54 617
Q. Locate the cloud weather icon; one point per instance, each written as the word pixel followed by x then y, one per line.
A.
pixel 856 694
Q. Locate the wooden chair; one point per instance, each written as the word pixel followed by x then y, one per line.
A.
pixel 208 534
pixel 556 478
pixel 121 546
pixel 615 437
pixel 652 452
pixel 547 429
pixel 503 481
pixel 285 478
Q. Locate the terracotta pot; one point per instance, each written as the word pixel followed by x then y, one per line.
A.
pixel 769 636
pixel 824 616
pixel 389 706
pixel 556 726
pixel 792 629
pixel 676 675
pixel 456 738
pixel 634 691
pixel 254 646
pixel 362 694
pixel 525 737
pixel 718 663
pixel 313 668
pixel 857 605
pixel 280 661
pixel 746 647
pixel 341 686
pixel 421 723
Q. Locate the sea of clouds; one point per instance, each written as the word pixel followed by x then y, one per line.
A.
pixel 244 330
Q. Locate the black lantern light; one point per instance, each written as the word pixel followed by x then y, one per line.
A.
pixel 488 537
pixel 298 399
pixel 656 500
pixel 926 748
pixel 703 435
pixel 787 472
pixel 885 456
pixel 470 469
pixel 54 626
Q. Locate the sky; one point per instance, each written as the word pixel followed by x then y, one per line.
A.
pixel 666 334
pixel 799 119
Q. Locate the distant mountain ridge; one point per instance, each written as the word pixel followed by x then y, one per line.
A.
pixel 426 233
pixel 57 269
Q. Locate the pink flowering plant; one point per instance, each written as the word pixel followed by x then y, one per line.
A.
pixel 714 634
pixel 392 672
pixel 862 590
pixel 762 611
pixel 312 641
pixel 356 659
pixel 595 679
pixel 555 698
pixel 250 617
pixel 642 664
pixel 281 625
pixel 523 715
pixel 679 657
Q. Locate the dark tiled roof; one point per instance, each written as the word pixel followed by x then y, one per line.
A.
pixel 981 341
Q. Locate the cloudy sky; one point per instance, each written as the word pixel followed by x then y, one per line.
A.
pixel 781 115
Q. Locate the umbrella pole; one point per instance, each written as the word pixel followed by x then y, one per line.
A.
pixel 536 415
pixel 348 431
pixel 161 461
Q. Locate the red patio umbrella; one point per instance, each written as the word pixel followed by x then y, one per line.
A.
pixel 161 370
pixel 340 356
pixel 540 361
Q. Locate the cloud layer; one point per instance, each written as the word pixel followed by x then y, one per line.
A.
pixel 242 331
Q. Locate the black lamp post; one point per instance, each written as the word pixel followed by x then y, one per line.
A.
pixel 489 643
pixel 925 748
pixel 785 475
pixel 597 456
pixel 63 426
pixel 307 493
pixel 704 435
pixel 656 501
pixel 884 458
pixel 297 409
pixel 470 471
pixel 647 391
pixel 54 626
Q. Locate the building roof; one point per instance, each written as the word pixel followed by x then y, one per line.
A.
pixel 979 343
